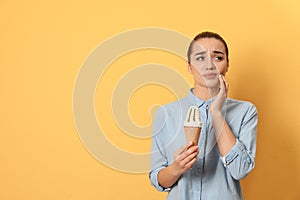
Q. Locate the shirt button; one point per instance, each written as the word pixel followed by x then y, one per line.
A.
pixel 199 170
pixel 197 188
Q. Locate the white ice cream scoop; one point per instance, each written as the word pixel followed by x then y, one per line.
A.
pixel 193 117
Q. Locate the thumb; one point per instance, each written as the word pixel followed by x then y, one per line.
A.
pixel 222 84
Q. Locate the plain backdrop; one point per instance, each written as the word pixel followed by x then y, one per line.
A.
pixel 44 43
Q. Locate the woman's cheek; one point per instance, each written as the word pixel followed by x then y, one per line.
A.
pixel 222 68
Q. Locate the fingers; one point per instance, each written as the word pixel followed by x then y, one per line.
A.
pixel 185 157
pixel 223 83
pixel 190 164
pixel 190 159
pixel 188 155
pixel 184 148
pixel 190 144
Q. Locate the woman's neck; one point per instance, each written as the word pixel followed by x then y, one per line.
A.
pixel 205 93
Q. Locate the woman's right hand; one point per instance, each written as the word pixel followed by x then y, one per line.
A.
pixel 185 157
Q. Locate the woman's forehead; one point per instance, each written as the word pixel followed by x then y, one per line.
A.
pixel 208 44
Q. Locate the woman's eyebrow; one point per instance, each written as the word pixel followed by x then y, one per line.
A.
pixel 216 51
pixel 204 52
pixel 200 53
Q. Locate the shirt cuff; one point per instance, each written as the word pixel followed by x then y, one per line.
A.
pixel 154 180
pixel 233 153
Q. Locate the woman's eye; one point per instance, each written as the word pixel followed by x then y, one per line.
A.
pixel 200 58
pixel 219 58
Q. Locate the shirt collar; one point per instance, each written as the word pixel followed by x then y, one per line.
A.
pixel 199 102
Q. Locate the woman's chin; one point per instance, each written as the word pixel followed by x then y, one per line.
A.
pixel 212 83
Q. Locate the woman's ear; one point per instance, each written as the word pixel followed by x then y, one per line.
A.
pixel 227 65
pixel 189 67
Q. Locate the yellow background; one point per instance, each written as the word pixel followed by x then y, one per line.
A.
pixel 44 43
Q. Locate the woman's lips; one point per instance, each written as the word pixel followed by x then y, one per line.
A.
pixel 210 75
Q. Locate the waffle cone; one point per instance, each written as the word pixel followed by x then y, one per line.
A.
pixel 192 134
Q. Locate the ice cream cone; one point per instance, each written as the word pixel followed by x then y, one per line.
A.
pixel 192 125
pixel 192 134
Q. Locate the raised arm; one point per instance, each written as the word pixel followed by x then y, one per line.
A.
pixel 237 153
pixel 225 138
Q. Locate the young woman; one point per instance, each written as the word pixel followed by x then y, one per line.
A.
pixel 226 149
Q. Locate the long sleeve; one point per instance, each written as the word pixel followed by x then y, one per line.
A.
pixel 240 159
pixel 158 158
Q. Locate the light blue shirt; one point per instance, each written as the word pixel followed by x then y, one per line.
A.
pixel 212 177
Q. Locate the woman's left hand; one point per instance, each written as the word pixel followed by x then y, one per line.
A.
pixel 217 104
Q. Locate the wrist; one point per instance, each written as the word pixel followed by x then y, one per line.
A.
pixel 175 171
pixel 215 112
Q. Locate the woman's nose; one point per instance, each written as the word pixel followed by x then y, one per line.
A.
pixel 210 64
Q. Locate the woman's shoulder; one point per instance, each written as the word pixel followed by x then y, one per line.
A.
pixel 238 101
pixel 241 105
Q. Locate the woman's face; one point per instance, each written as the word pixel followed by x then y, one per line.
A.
pixel 207 61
